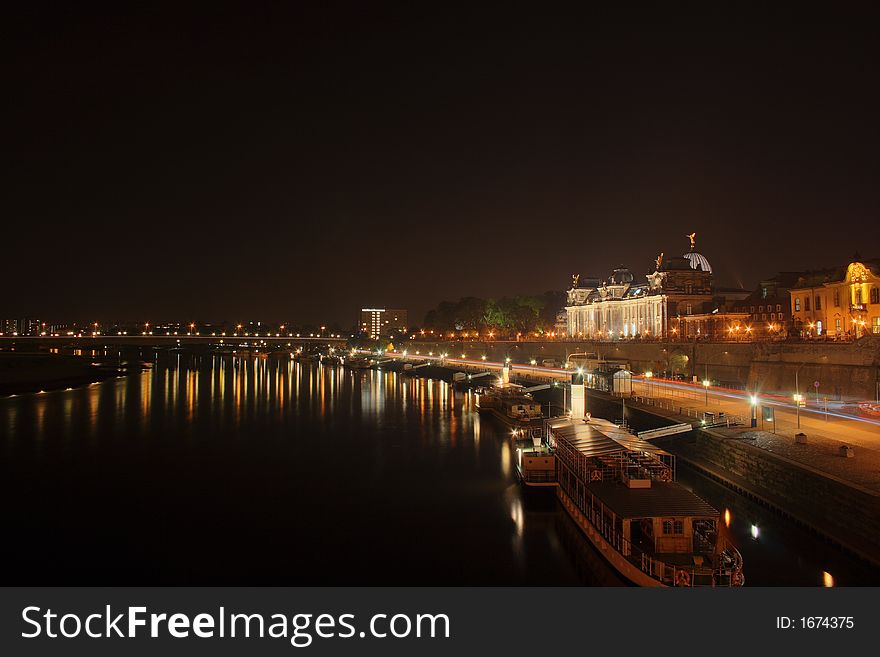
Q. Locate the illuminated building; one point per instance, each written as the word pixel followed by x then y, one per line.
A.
pixel 621 308
pixel 769 306
pixel 843 302
pixel 376 322
pixel 26 326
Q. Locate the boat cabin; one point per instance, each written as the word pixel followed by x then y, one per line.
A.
pixel 623 490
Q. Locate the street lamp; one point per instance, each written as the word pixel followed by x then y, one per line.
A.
pixel 797 395
pixel 706 385
pixel 648 375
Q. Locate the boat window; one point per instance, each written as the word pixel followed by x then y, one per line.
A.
pixel 673 526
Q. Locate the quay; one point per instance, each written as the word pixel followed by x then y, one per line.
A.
pixel 833 496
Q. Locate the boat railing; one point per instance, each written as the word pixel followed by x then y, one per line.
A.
pixel 538 476
pixel 718 572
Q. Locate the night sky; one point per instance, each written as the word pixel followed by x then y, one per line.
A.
pixel 298 165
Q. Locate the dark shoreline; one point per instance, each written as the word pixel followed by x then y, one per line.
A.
pixel 25 373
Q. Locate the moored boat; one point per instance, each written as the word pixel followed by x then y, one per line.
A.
pixel 621 492
pixel 357 363
pixel 508 403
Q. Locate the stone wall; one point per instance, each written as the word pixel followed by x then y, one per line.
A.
pixel 842 369
pixel 848 514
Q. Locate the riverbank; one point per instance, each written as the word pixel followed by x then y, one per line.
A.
pixel 834 503
pixel 22 373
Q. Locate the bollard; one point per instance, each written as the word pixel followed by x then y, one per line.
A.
pixel 800 439
pixel 846 451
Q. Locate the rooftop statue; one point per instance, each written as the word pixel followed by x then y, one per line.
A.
pixel 575 280
pixel 692 238
pixel 659 261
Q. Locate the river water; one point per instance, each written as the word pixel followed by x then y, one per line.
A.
pixel 220 470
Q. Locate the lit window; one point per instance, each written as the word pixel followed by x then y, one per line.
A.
pixel 673 527
pixel 797 304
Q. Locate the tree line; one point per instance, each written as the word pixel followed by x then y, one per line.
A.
pixel 519 313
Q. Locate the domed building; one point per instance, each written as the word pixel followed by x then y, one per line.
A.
pixel 698 261
pixel 621 308
pixel 621 276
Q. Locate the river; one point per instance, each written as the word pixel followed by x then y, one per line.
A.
pixel 219 470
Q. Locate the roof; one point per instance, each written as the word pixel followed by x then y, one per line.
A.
pixel 599 437
pixel 661 499
pixel 698 261
pixel 819 277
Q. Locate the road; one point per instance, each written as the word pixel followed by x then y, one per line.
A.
pixel 836 423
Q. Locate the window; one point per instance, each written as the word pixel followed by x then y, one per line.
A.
pixel 837 298
pixel 875 325
pixel 673 527
pixel 875 295
pixel 780 315
pixel 797 304
pixel 837 326
pixel 752 310
pixel 763 315
pixel 819 327
pixel 818 302
pixel 760 309
pixel 778 307
pixel 806 303
pixel 689 309
pixel 772 316
pixel 859 296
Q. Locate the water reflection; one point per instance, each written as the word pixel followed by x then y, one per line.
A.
pixel 363 476
pixel 238 469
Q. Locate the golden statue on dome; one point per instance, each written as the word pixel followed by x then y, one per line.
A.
pixel 692 238
pixel 575 280
pixel 659 261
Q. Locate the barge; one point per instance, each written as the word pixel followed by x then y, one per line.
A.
pixel 621 492
pixel 510 405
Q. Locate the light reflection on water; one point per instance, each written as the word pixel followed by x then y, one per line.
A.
pixel 267 470
pixel 252 467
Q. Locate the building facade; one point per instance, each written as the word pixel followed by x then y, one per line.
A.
pixel 26 326
pixel 841 303
pixel 768 308
pixel 377 322
pixel 621 308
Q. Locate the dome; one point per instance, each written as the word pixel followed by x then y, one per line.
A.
pixel 698 261
pixel 621 276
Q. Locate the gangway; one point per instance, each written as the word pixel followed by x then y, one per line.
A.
pixel 671 430
pixel 545 386
pixel 477 376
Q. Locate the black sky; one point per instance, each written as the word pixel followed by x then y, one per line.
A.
pixel 296 164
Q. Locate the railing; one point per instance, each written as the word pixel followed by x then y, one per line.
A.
pixel 721 420
pixel 538 476
pixel 721 574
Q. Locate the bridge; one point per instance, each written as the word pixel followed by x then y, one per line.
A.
pixel 478 367
pixel 103 340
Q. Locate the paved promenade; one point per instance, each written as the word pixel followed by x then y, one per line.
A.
pixel 825 434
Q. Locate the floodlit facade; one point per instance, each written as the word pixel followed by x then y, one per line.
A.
pixel 838 303
pixel 622 308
